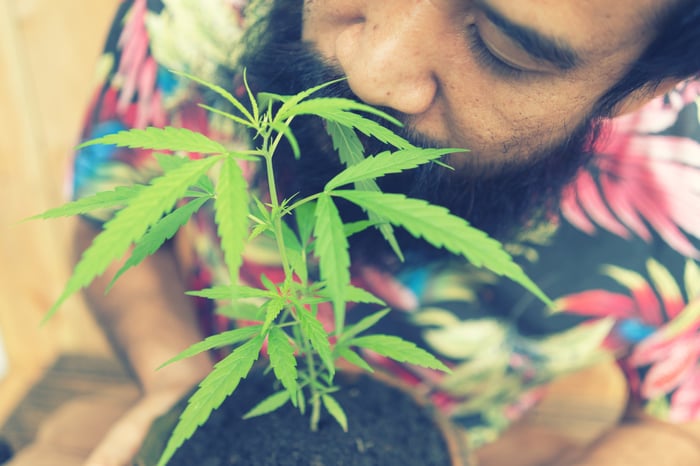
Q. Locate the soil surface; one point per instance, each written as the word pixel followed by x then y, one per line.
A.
pixel 386 428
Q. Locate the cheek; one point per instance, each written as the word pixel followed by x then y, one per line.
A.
pixel 500 125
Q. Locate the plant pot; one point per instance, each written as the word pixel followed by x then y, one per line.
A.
pixel 388 426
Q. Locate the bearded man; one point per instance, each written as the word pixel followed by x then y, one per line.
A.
pixel 582 128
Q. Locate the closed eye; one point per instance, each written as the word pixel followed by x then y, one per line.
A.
pixel 486 58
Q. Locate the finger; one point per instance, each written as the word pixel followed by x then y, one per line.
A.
pixel 121 443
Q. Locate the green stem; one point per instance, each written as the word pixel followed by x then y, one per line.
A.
pixel 303 339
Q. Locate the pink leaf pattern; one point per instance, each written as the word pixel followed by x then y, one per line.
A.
pixel 639 176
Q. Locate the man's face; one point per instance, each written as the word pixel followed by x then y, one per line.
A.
pixel 503 78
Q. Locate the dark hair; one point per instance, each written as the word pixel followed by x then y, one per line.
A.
pixel 673 54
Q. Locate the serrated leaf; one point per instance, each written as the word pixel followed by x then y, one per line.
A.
pixel 289 136
pixel 290 103
pixel 220 340
pixel 168 138
pixel 331 248
pixel 353 358
pixel 336 411
pixel 364 125
pixel 317 336
pixel 441 229
pixel 240 311
pixel 322 105
pixel 268 405
pixel 131 223
pixel 399 350
pixel 351 152
pixel 232 292
pixel 158 235
pixel 356 227
pixel 168 162
pixel 364 324
pixel 373 167
pixel 223 93
pixel 105 200
pixel 354 294
pixel 273 308
pixel 304 215
pixel 283 361
pixel 346 143
pixel 230 116
pixel 231 207
pixel 213 390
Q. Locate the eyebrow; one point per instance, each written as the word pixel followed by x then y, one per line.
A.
pixel 533 42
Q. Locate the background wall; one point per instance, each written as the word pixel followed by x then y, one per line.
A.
pixel 48 50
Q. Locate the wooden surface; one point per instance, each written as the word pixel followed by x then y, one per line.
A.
pixel 48 51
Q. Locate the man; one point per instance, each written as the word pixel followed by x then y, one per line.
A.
pixel 526 86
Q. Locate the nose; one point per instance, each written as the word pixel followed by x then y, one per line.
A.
pixel 388 56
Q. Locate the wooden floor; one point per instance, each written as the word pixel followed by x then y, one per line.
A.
pixel 48 51
pixel 70 377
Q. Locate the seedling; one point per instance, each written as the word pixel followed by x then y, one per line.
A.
pixel 302 354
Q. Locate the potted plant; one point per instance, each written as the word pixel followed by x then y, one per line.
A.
pixel 303 357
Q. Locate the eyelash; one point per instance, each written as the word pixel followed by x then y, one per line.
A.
pixel 486 58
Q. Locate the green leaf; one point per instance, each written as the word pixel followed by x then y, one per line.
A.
pixel 313 330
pixel 284 128
pixel 232 292
pixel 399 350
pixel 104 200
pixel 131 223
pixel 364 324
pixel 231 207
pixel 268 405
pixel 351 152
pixel 305 214
pixel 168 162
pixel 356 227
pixel 230 116
pixel 336 411
pixel 290 103
pixel 220 340
pixel 213 390
pixel 322 105
pixel 364 125
pixel 168 138
pixel 223 93
pixel 346 143
pixel 441 229
pixel 159 234
pixel 240 311
pixel 353 358
pixel 283 361
pixel 386 163
pixel 273 308
pixel 331 247
pixel 354 294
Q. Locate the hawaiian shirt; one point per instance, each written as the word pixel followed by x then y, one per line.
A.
pixel 620 256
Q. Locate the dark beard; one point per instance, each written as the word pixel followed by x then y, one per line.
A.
pixel 499 202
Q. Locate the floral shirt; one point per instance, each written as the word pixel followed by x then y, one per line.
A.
pixel 620 256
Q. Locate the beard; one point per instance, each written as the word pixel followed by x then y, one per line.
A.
pixel 497 197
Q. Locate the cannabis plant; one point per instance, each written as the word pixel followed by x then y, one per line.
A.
pixel 302 354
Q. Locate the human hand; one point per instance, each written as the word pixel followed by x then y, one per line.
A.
pixel 124 439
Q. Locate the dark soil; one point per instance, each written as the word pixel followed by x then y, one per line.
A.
pixel 386 428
